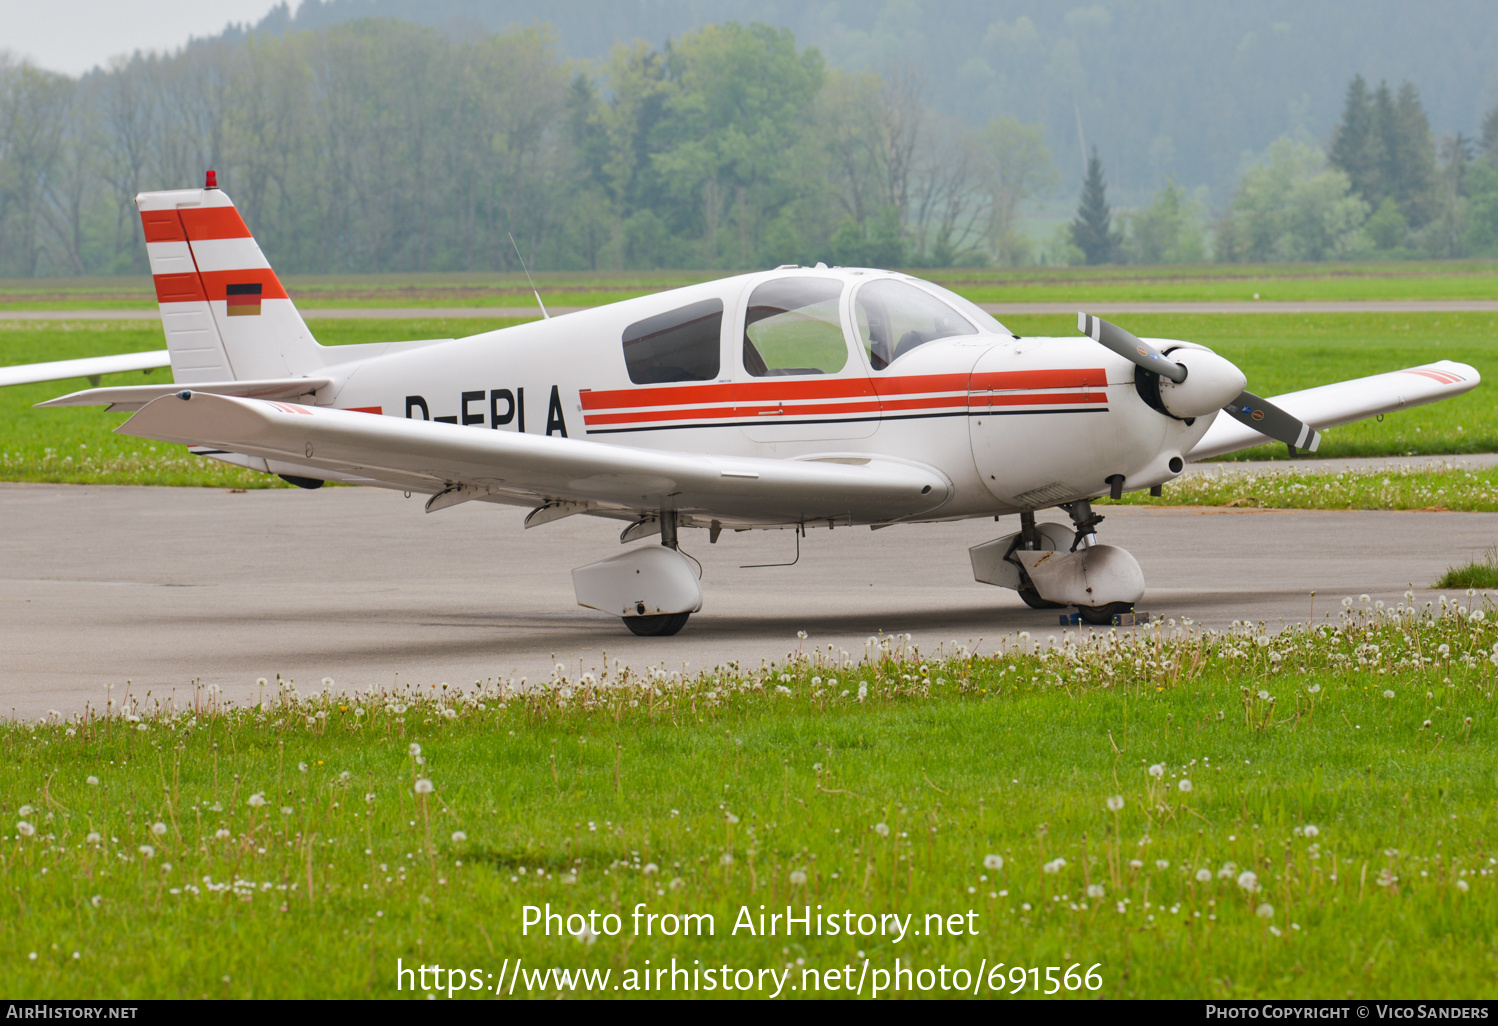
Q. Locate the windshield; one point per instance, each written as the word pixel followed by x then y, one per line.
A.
pixel 895 318
pixel 979 316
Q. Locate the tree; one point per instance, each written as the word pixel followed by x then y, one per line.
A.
pixel 1092 230
pixel 1293 206
pixel 1490 136
pixel 1384 146
pixel 1016 165
pixel 1168 231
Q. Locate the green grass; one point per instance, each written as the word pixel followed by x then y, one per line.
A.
pixel 1474 574
pixel 1387 280
pixel 1433 489
pixel 77 445
pixel 286 850
pixel 1279 353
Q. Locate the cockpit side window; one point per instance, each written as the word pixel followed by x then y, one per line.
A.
pixel 894 318
pixel 793 327
pixel 682 345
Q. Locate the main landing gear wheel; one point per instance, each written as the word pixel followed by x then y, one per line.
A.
pixel 1032 598
pixel 662 625
pixel 1102 616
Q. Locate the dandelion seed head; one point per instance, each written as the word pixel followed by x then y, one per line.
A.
pixel 459 837
pixel 882 829
pixel 798 877
pixel 25 829
pixel 159 829
pixel 1265 911
pixel 147 851
pixel 1095 891
pixel 413 749
pixel 92 781
pixel 256 800
pixel 1157 771
pixel 1115 803
pixel 1203 876
pixel 993 862
pixel 1184 786
pixel 423 786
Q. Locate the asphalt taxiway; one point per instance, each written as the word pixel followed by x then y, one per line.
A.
pixel 164 586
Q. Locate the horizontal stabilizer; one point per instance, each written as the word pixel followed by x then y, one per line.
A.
pixel 1346 401
pixel 133 397
pixel 431 457
pixel 88 367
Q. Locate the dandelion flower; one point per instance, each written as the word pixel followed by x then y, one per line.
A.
pixel 92 781
pixel 1184 786
pixel 1115 803
pixel 1248 880
pixel 414 749
pixel 798 877
pixel 1203 876
pixel 1265 911
pixel 423 786
pixel 993 862
pixel 25 829
pixel 1157 771
pixel 159 829
pixel 147 851
pixel 882 829
pixel 256 800
pixel 459 837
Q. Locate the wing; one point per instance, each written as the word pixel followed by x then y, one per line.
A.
pixel 133 397
pixel 88 367
pixel 1346 401
pixel 463 462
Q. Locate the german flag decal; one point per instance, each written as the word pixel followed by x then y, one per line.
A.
pixel 244 300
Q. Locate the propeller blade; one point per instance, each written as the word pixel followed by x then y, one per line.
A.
pixel 1130 348
pixel 1268 419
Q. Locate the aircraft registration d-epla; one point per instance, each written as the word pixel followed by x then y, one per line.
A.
pixel 798 398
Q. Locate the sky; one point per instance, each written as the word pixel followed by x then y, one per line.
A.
pixel 73 36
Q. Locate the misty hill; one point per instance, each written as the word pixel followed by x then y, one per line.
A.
pixel 1163 88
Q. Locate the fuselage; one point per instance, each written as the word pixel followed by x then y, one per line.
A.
pixel 869 363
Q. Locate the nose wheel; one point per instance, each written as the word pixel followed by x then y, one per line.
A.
pixel 1102 616
pixel 662 625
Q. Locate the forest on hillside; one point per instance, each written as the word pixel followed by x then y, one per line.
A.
pixel 383 145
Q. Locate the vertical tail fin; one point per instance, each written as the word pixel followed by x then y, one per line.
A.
pixel 224 311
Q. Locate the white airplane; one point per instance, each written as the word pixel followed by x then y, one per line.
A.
pixel 795 398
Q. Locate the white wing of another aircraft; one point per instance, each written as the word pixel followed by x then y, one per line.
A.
pixel 458 463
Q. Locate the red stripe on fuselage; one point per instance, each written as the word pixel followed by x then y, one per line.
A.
pixel 776 391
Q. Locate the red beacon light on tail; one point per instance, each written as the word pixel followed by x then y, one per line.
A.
pixel 212 182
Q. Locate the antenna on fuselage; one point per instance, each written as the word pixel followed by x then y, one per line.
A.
pixel 535 291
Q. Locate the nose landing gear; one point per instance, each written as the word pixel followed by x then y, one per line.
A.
pixel 1051 567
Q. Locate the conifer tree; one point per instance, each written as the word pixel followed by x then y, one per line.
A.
pixel 1092 230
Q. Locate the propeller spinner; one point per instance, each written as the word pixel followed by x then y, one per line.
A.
pixel 1217 384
